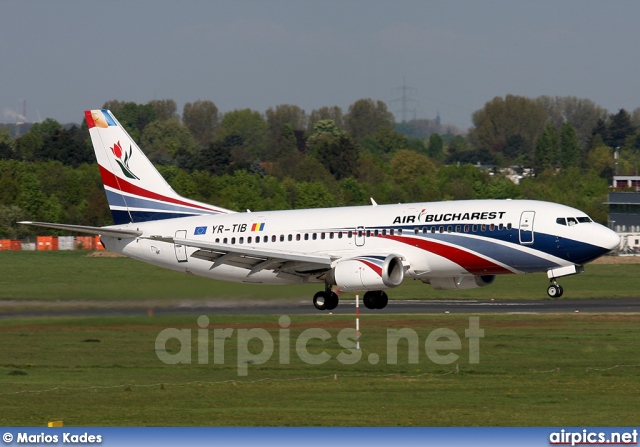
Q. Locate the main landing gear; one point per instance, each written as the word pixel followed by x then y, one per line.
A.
pixel 327 300
pixel 554 290
pixel 375 299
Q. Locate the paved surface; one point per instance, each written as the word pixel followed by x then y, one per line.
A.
pixel 296 307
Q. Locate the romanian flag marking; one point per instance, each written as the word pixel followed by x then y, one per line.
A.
pixel 257 227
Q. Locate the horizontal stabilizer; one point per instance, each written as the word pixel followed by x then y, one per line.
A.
pixel 102 231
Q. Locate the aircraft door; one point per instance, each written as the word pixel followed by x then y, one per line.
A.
pixel 181 250
pixel 526 227
pixel 360 237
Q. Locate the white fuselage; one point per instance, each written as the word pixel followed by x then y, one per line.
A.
pixel 438 239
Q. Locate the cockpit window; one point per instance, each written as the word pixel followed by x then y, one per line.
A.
pixel 585 219
pixel 572 221
pixel 561 221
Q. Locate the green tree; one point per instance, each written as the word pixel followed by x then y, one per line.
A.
pixel 619 128
pixel 286 124
pixel 164 109
pixel 569 147
pixel 247 127
pixel 547 149
pixel 601 160
pixel 407 165
pixel 201 118
pixel 366 117
pixel 435 149
pixel 325 113
pixel 502 118
pixel 313 195
pixel 165 141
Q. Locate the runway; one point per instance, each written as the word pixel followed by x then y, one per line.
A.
pixel 299 307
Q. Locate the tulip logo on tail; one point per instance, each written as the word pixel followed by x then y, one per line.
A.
pixel 124 163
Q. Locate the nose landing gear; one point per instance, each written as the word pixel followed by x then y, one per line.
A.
pixel 555 290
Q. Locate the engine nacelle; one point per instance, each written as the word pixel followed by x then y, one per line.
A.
pixel 368 273
pixel 461 282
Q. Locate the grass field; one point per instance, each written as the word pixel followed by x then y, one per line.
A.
pixel 72 276
pixel 533 370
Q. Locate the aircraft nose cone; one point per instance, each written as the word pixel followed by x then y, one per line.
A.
pixel 610 239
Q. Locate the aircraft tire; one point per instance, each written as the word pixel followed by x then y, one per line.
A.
pixel 381 300
pixel 320 301
pixel 332 301
pixel 369 300
pixel 554 291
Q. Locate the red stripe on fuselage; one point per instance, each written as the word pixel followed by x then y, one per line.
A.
pixel 110 180
pixel 472 263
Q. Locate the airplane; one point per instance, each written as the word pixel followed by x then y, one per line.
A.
pixel 449 245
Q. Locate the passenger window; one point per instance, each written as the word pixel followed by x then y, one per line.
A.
pixel 424 230
pixel 315 236
pixel 282 238
pixel 500 227
pixel 492 227
pixel 350 234
pixel 322 236
pixel 457 228
pixel 306 236
pixel 331 235
pixel 399 231
pixel 509 226
pixel 466 228
pixel 475 228
pixel 224 241
pixel 217 240
pixel 241 240
pixel 384 231
pixel 416 230
pixel 433 229
pixel 368 233
pixel 249 240
pixel 561 221
pixel 273 238
pixel 391 232
pixel 449 229
pixel 290 238
pixel 297 237
pixel 339 234
pixel 441 229
pixel 376 233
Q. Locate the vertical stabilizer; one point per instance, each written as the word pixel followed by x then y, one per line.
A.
pixel 135 189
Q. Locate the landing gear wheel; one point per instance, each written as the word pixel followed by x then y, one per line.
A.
pixel 331 301
pixel 554 291
pixel 375 299
pixel 382 300
pixel 320 301
pixel 369 300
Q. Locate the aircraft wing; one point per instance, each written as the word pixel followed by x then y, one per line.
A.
pixel 255 259
pixel 105 231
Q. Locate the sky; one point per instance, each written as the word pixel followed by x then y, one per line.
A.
pixel 62 57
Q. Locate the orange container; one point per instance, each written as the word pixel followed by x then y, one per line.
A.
pixel 5 244
pixel 84 243
pixel 16 245
pixel 97 245
pixel 46 243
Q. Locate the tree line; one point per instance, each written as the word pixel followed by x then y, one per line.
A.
pixel 285 158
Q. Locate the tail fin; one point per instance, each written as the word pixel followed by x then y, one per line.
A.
pixel 135 189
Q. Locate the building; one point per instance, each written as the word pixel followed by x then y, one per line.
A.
pixel 624 211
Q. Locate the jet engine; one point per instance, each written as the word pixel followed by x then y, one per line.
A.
pixel 372 272
pixel 461 282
